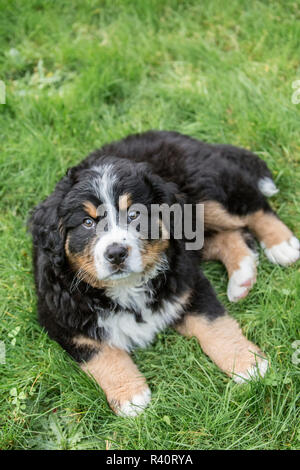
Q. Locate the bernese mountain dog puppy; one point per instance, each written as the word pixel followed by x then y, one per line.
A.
pixel 104 289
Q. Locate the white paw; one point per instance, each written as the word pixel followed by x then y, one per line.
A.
pixel 253 373
pixel 284 253
pixel 242 279
pixel 136 405
pixel 267 186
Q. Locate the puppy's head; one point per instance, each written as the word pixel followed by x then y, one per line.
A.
pixel 112 235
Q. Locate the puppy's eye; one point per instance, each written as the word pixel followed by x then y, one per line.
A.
pixel 88 223
pixel 132 215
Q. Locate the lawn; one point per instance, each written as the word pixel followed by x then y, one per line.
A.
pixel 82 73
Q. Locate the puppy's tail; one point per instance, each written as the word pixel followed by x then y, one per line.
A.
pixel 267 186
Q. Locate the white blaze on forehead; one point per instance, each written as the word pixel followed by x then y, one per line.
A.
pixel 104 186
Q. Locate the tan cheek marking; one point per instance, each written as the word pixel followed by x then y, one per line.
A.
pixel 116 373
pixel 152 252
pixel 125 201
pixel 216 217
pixel 83 264
pixel 223 341
pixel 228 247
pixel 268 228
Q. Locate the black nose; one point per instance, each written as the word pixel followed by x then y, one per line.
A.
pixel 116 253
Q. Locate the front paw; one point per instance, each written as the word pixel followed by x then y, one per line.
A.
pixel 254 372
pixel 242 279
pixel 131 405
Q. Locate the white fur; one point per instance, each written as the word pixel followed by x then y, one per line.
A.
pixel 253 373
pixel 284 253
pixel 133 264
pixel 104 189
pixel 267 186
pixel 136 405
pixel 246 271
pixel 122 329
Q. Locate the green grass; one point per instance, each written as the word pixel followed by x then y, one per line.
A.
pixel 79 74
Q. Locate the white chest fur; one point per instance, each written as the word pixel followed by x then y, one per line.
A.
pixel 122 329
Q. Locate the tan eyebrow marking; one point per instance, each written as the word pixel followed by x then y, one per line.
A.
pixel 152 251
pixel 90 209
pixel 125 201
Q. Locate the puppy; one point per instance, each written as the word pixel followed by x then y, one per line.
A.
pixel 105 285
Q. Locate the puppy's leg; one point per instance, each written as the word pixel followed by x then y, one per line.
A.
pixel 113 369
pixel 279 243
pixel 220 336
pixel 222 340
pixel 231 249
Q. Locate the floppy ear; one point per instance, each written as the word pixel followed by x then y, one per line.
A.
pixel 167 192
pixel 47 232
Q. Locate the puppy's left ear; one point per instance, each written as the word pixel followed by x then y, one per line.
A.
pixel 47 232
pixel 165 191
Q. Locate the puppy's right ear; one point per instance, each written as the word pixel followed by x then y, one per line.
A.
pixel 77 173
pixel 72 173
pixel 47 231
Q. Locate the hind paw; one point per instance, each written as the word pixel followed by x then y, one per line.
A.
pixel 284 253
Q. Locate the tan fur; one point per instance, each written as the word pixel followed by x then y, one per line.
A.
pixel 185 298
pixel 268 228
pixel 83 264
pixel 85 341
pixel 228 247
pixel 223 341
pixel 90 209
pixel 216 217
pixel 116 373
pixel 125 201
pixel 152 251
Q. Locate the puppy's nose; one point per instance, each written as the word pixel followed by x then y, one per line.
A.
pixel 116 253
